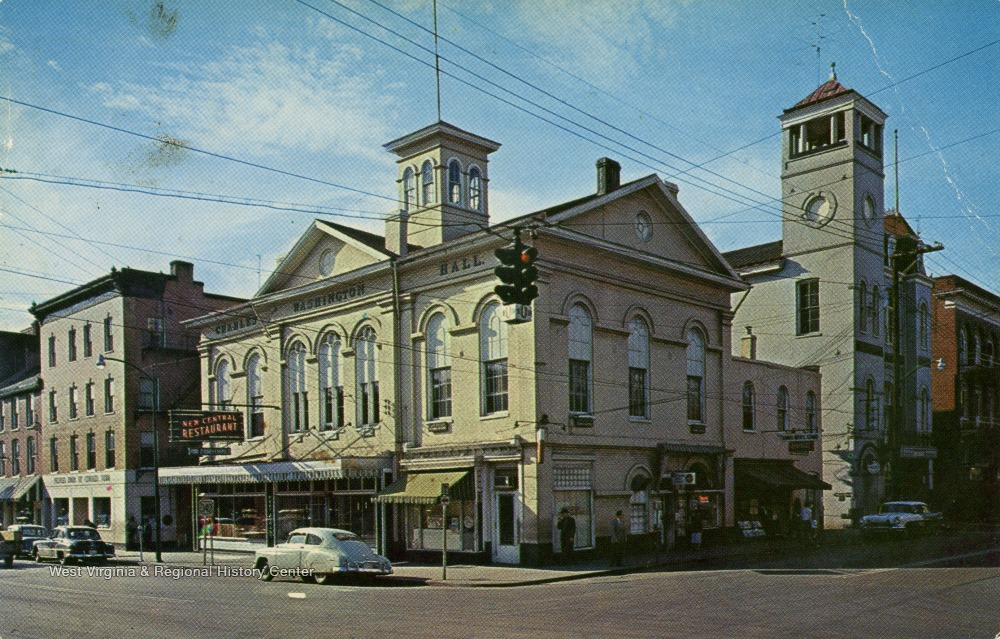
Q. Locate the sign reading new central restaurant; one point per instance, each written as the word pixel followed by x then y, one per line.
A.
pixel 200 426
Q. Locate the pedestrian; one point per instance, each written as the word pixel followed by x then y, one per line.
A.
pixel 567 535
pixel 131 533
pixel 619 535
pixel 805 520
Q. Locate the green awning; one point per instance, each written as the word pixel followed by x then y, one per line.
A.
pixel 775 474
pixel 14 488
pixel 425 488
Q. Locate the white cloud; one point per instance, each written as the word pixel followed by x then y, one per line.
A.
pixel 54 65
pixel 267 98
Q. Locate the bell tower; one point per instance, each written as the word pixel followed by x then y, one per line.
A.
pixel 831 172
pixel 443 186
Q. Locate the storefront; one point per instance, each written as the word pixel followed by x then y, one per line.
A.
pixel 20 500
pixel 692 490
pixel 258 504
pixel 770 493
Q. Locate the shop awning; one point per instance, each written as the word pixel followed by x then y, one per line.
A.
pixel 14 488
pixel 263 472
pixel 425 488
pixel 776 474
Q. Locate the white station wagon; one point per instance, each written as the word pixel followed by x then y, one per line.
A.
pixel 320 554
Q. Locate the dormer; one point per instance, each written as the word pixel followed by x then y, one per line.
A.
pixel 443 186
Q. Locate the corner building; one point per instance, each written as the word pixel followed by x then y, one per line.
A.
pixel 376 372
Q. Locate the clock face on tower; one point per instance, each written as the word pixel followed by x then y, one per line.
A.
pixel 819 209
pixel 868 210
pixel 643 226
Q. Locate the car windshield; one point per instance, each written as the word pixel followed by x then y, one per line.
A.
pixel 82 533
pixel 899 508
pixel 32 531
pixel 345 536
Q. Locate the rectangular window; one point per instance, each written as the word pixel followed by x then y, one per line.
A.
pixel 3 458
pixel 808 306
pixel 157 333
pixel 15 457
pixel 102 511
pixel 91 451
pixel 29 411
pixel 109 337
pixel 147 394
pixel 52 351
pixel 53 407
pixel 333 408
pixel 257 416
pixel 495 385
pixel 637 400
pixel 72 402
pixel 109 395
pixel 74 453
pixel 29 457
pixel 15 422
pixel 71 345
pixel 109 449
pixel 147 458
pixel 88 344
pixel 579 386
pixel 369 403
pixel 441 392
pixel 694 405
pixel 88 398
pixel 300 408
pixel 53 455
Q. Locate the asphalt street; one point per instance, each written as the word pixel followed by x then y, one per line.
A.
pixel 936 595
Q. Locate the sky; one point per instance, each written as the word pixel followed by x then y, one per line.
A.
pixel 135 133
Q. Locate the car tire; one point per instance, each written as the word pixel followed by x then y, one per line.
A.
pixel 326 578
pixel 309 579
pixel 265 571
pixel 65 560
pixel 8 561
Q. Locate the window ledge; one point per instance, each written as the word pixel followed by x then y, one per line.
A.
pixel 697 428
pixel 813 334
pixel 498 415
pixel 639 420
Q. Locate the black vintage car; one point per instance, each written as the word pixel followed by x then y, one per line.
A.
pixel 74 543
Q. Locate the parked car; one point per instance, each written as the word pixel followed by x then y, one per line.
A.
pixel 909 517
pixel 320 554
pixel 67 544
pixel 30 533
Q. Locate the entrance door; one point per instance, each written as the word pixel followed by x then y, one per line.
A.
pixel 506 549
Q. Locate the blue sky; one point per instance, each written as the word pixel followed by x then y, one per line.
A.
pixel 659 85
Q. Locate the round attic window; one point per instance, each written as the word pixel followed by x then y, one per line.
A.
pixel 820 208
pixel 326 262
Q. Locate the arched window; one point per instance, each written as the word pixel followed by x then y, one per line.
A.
pixel 454 182
pixel 638 369
pixel 581 348
pixel 223 385
pixel 924 327
pixel 366 356
pixel 15 457
pixel 925 411
pixel 438 368
pixel 295 382
pixel 963 400
pixel 863 306
pixel 331 386
pixel 409 190
pixel 493 359
pixel 475 189
pixel 255 398
pixel 427 184
pixel 696 376
pixel 782 409
pixel 988 352
pixel 811 425
pixel 974 351
pixel 638 506
pixel 962 346
pixel 876 309
pixel 871 404
pixel 749 399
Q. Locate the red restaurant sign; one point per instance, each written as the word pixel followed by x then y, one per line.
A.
pixel 199 426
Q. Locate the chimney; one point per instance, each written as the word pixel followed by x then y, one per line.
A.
pixel 609 176
pixel 748 344
pixel 183 271
pixel 396 232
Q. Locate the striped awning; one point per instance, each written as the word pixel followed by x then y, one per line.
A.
pixel 14 488
pixel 265 472
pixel 425 488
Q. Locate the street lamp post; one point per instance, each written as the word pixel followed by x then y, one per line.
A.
pixel 101 362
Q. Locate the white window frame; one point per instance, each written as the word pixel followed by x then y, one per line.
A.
pixel 493 357
pixel 580 338
pixel 638 360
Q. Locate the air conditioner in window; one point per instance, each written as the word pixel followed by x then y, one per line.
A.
pixel 582 421
pixel 683 479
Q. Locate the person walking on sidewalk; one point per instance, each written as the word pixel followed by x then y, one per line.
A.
pixel 567 535
pixel 805 521
pixel 619 535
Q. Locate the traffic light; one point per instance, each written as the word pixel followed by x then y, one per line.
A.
pixel 517 272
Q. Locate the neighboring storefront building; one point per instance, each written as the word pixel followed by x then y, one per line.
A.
pixel 115 360
pixel 395 353
pixel 20 433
